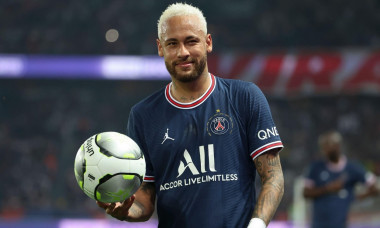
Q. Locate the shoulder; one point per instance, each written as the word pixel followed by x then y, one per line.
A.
pixel 237 84
pixel 355 165
pixel 239 88
pixel 314 168
pixel 317 165
pixel 149 103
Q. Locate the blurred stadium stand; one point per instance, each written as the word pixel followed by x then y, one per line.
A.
pixel 79 27
pixel 317 61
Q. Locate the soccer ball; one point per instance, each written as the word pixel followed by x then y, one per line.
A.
pixel 109 167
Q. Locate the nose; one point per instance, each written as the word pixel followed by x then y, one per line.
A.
pixel 182 51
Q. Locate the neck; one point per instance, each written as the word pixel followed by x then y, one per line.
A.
pixel 189 91
pixel 339 165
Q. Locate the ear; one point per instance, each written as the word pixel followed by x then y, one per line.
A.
pixel 159 48
pixel 209 43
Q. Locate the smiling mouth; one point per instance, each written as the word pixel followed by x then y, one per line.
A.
pixel 184 64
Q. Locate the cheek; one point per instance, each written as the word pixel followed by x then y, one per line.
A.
pixel 170 52
pixel 167 56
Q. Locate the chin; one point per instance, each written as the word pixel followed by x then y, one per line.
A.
pixel 188 76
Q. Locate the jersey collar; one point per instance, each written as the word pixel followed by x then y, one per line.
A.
pixel 193 104
pixel 338 167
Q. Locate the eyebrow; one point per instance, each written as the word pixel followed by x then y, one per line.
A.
pixel 187 38
pixel 169 40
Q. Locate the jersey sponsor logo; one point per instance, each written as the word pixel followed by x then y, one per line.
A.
pixel 267 133
pixel 219 124
pixel 198 180
pixel 200 173
pixel 190 165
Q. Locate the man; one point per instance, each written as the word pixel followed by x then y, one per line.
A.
pixel 330 183
pixel 199 136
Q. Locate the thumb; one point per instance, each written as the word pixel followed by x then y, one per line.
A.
pixel 102 205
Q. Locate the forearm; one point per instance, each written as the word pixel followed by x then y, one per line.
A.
pixel 315 192
pixel 139 213
pixel 143 205
pixel 272 179
pixel 268 201
pixel 370 191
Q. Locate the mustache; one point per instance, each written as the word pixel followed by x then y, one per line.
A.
pixel 188 60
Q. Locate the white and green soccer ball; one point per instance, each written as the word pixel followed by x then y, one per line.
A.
pixel 109 167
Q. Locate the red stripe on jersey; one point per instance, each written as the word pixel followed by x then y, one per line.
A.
pixel 195 103
pixel 267 147
pixel 148 178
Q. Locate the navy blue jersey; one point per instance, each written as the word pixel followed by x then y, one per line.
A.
pixel 331 210
pixel 199 154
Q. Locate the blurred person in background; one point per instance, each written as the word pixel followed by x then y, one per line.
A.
pixel 331 182
pixel 199 117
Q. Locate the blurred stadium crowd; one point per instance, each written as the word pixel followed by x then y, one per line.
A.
pixel 43 123
pixel 79 27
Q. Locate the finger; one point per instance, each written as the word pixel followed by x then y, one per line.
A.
pixel 128 202
pixel 110 208
pixel 119 212
pixel 102 205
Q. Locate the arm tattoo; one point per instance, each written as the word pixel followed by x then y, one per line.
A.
pixel 149 188
pixel 269 169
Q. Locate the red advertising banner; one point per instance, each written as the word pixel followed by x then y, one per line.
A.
pixel 303 72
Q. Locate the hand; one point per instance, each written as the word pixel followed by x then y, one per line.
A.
pixel 118 210
pixel 334 186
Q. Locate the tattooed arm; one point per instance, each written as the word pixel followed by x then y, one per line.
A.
pixel 138 208
pixel 269 169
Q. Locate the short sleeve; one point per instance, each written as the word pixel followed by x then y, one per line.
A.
pixel 359 174
pixel 310 176
pixel 134 132
pixel 262 132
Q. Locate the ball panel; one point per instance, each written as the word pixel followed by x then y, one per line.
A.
pixel 91 180
pixel 116 165
pixel 80 166
pixel 91 151
pixel 117 188
pixel 118 145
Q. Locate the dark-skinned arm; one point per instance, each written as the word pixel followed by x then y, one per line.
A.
pixel 332 187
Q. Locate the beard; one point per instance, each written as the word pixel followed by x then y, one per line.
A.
pixel 333 156
pixel 199 67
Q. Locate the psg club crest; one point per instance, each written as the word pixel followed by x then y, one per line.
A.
pixel 219 124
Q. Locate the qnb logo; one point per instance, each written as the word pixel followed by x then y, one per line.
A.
pixel 191 166
pixel 267 133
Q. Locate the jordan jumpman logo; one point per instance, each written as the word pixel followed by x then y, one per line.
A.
pixel 167 136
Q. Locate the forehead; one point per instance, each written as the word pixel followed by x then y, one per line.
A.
pixel 330 144
pixel 181 26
